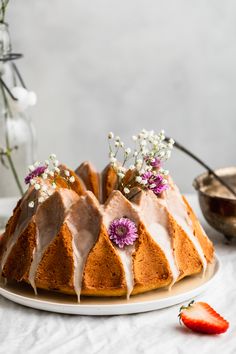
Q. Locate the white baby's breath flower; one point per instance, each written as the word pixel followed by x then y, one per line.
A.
pixel 135 138
pixel 111 154
pixel 37 186
pixel 52 157
pixel 56 169
pixel 143 143
pixel 120 174
pixel 31 204
pixel 117 144
pixel 44 175
pixel 128 151
pixel 56 163
pixel 171 141
pixel 138 179
pixel 51 173
pixel 126 190
pixel 41 199
pixel 31 168
pixel 168 154
pixel 32 181
pixel 67 173
pixel 113 159
pixel 122 144
pixel 47 163
pixel 72 179
pixel 135 153
pixel 111 135
pixel 44 188
pixel 54 186
pixel 117 138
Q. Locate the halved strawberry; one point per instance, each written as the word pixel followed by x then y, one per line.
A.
pixel 201 317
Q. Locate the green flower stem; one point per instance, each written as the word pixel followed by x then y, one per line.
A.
pixel 3 7
pixel 8 148
pixel 14 172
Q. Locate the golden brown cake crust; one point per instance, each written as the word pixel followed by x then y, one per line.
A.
pixel 186 256
pixel 103 272
pixel 109 182
pixel 56 269
pixel 22 252
pixel 90 178
pixel 150 266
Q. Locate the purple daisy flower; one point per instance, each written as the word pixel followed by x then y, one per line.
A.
pixel 123 232
pixel 155 182
pixel 35 173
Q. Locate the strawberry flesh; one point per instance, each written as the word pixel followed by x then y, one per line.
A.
pixel 201 317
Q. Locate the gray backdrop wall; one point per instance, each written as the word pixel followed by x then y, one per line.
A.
pixel 123 65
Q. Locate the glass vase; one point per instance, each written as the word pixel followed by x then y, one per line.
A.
pixel 17 138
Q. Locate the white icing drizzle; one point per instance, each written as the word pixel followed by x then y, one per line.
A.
pixel 175 204
pixel 49 219
pixel 126 258
pixel 25 216
pixel 83 222
pixel 154 217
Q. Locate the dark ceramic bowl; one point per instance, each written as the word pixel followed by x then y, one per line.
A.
pixel 217 204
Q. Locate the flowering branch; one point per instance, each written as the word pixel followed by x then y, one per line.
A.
pixel 44 177
pixel 145 169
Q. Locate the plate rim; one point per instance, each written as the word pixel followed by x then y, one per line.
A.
pixel 114 308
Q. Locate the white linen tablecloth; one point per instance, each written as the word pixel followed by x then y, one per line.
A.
pixel 24 330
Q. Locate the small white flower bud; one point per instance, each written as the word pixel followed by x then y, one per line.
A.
pixel 111 135
pixel 128 151
pixel 56 169
pixel 135 138
pixel 52 157
pixel 44 175
pixel 31 204
pixel 72 179
pixel 37 186
pixel 41 199
pixel 31 168
pixel 54 186
pixel 56 163
pixel 32 182
pixel 138 179
pixel 126 190
pixel 67 173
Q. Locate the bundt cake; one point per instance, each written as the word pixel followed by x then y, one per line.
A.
pixel 118 233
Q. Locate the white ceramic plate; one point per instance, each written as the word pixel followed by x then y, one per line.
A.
pixel 153 300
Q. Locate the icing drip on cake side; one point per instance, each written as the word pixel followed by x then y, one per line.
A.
pixel 175 204
pixel 49 219
pixel 26 214
pixel 154 217
pixel 84 223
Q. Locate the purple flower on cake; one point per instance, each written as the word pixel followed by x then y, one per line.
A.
pixel 123 232
pixel 153 161
pixel 156 183
pixel 38 171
